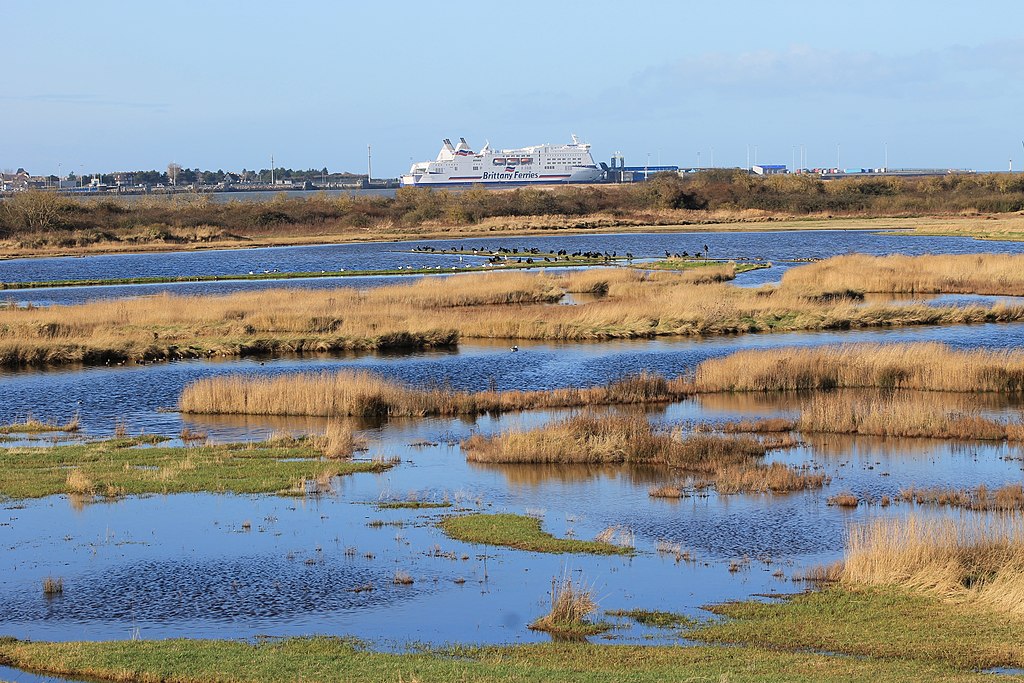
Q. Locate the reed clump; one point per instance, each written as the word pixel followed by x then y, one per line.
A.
pixel 919 366
pixel 896 273
pixel 666 491
pixel 1009 497
pixel 844 500
pixel 772 478
pixel 901 415
pixel 972 559
pixel 363 394
pixel 613 439
pixel 571 605
pixel 78 483
pixel 53 586
pixel 337 441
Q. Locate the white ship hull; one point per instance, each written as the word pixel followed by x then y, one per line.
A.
pixel 537 165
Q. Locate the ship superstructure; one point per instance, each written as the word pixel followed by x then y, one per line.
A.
pixel 537 165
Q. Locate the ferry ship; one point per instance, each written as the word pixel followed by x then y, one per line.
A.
pixel 538 165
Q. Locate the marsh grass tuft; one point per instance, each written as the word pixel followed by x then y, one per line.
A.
pixel 32 425
pixel 403 578
pixel 53 586
pixel 844 500
pixel 571 604
pixel 78 483
pixel 338 441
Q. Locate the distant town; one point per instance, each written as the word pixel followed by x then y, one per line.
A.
pixel 177 179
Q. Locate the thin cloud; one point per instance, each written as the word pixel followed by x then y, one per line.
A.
pixel 74 99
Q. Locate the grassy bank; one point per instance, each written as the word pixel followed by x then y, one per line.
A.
pixel 330 659
pixel 421 314
pixel 522 533
pixel 882 624
pixel 119 467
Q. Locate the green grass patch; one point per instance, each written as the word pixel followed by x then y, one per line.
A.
pixel 119 467
pixel 680 264
pixel 331 659
pixel 522 533
pixel 655 618
pixel 881 623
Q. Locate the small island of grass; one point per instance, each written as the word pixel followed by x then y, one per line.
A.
pixel 522 533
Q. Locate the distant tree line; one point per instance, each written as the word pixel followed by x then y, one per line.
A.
pixel 665 197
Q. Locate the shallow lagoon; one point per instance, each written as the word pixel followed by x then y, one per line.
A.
pixel 782 248
pixel 158 566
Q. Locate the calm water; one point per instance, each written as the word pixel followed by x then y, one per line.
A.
pixel 184 565
pixel 776 247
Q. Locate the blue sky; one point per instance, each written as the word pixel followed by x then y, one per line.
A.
pixel 119 85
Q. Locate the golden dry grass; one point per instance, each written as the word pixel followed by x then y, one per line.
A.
pixel 423 313
pixel 973 559
pixel 897 273
pixel 353 393
pixel 730 463
pixel 921 366
pixel 571 604
pixel 773 478
pixel 902 415
pixel 337 441
pixel 614 439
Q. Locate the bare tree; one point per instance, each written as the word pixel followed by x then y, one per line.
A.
pixel 172 172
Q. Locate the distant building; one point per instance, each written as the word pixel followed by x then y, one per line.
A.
pixel 11 182
pixel 769 169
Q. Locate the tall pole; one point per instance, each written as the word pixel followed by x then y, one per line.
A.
pixel 369 166
pixel 272 169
